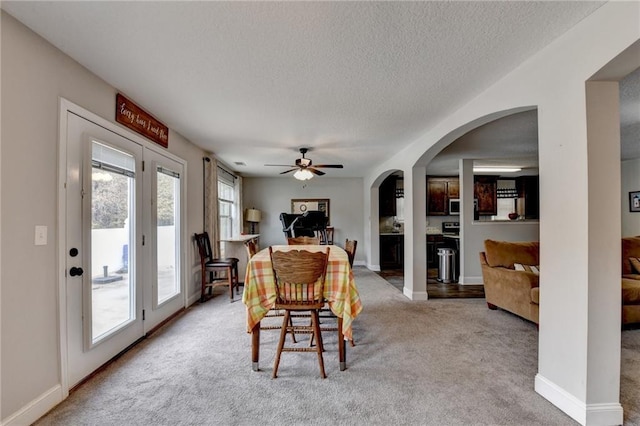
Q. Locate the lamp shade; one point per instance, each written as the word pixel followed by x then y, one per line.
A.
pixel 253 215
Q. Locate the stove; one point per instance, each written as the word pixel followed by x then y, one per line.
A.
pixel 451 228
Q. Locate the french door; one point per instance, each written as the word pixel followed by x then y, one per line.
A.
pixel 123 242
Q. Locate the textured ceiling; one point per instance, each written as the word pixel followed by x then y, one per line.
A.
pixel 254 81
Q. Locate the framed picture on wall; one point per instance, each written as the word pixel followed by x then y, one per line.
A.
pixel 299 206
pixel 634 201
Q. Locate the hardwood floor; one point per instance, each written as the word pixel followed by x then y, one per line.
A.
pixel 435 289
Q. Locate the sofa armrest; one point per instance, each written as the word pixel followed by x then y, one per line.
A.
pixel 510 289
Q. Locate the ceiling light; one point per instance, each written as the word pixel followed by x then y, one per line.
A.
pixel 303 174
pixel 496 169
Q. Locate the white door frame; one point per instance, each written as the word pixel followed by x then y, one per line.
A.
pixel 66 106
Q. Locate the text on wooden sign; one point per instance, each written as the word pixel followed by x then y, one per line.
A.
pixel 137 119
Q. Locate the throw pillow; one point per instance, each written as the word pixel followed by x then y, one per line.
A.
pixel 635 264
pixel 529 268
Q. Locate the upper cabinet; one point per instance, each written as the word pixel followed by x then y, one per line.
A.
pixel 439 191
pixel 387 197
pixel 484 189
pixel 529 192
pixel 442 189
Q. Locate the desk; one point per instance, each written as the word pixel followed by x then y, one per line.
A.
pixel 234 247
pixel 340 292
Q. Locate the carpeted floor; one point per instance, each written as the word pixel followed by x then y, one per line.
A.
pixel 437 362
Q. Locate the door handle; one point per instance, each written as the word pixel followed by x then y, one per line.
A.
pixel 75 271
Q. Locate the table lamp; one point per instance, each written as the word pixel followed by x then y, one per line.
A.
pixel 253 216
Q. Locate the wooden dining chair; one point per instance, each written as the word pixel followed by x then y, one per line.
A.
pixel 350 248
pixel 299 277
pixel 252 248
pixel 297 241
pixel 326 235
pixel 215 271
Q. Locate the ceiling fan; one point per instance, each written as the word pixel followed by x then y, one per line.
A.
pixel 304 167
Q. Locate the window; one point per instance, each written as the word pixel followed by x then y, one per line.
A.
pixel 227 203
pixel 507 195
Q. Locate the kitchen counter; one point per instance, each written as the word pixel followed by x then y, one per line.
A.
pixel 241 238
pixel 234 247
pixel 391 233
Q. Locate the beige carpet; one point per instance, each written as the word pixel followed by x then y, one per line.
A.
pixel 439 362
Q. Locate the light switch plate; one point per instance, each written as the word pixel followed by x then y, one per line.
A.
pixel 41 235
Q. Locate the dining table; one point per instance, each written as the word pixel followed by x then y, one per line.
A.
pixel 340 292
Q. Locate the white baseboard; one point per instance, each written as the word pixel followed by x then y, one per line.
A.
pixel 374 268
pixel 193 299
pixel 359 263
pixel 415 295
pixel 585 414
pixel 470 280
pixel 36 408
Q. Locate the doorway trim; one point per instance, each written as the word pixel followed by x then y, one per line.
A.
pixel 65 106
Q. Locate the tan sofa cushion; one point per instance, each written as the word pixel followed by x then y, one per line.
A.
pixel 630 292
pixel 505 253
pixel 630 248
pixel 635 265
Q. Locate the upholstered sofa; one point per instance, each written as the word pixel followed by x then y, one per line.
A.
pixel 630 280
pixel 516 291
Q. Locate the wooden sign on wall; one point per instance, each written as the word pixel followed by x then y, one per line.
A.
pixel 138 120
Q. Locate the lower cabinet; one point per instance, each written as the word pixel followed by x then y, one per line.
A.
pixel 432 250
pixel 391 251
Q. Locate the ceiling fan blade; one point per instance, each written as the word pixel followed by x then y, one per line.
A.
pixel 281 165
pixel 287 171
pixel 313 170
pixel 330 166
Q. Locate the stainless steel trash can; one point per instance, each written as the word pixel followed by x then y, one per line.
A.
pixel 446 265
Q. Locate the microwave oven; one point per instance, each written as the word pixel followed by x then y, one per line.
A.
pixel 454 206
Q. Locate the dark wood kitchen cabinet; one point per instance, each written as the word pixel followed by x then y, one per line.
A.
pixel 392 251
pixel 484 189
pixel 387 197
pixel 528 188
pixel 439 191
pixel 432 249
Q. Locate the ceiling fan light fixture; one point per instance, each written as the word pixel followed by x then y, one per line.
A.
pixel 303 174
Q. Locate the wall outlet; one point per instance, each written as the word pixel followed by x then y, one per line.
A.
pixel 41 235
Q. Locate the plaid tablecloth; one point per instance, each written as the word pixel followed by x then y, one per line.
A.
pixel 340 288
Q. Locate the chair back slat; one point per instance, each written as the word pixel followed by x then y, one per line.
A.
pixel 299 275
pixel 303 241
pixel 252 248
pixel 350 248
pixel 204 246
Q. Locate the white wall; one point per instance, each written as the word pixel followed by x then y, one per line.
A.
pixel 630 183
pixel 34 75
pixel 273 196
pixel 474 234
pixel 570 197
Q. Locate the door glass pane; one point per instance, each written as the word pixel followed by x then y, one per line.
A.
pixel 168 238
pixel 112 278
